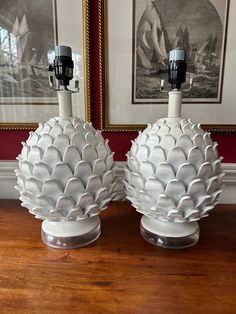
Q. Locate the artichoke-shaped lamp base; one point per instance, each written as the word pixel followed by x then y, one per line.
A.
pixel 71 234
pixel 169 234
pixel 174 178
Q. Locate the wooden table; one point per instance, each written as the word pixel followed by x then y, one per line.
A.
pixel 120 272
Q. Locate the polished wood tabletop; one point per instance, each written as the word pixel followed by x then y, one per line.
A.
pixel 120 272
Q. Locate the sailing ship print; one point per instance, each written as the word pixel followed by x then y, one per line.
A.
pixel 24 54
pixel 154 38
pixel 27 58
pixel 206 57
pixel 21 32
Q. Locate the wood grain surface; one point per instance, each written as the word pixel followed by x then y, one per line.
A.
pixel 120 272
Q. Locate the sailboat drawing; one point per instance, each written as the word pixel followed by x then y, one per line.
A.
pixel 27 58
pixel 206 56
pixel 157 32
pixel 26 42
pixel 152 40
pixel 21 32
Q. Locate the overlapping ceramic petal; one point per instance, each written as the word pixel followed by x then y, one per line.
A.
pixel 66 171
pixel 174 172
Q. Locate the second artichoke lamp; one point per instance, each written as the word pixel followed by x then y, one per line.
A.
pixel 174 174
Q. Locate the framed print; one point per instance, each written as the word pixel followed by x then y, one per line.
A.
pixel 28 37
pixel 29 32
pixel 135 38
pixel 160 26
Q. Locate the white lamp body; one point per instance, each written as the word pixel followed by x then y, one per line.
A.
pixel 174 178
pixel 66 178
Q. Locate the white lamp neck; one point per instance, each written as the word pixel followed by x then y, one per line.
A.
pixel 65 103
pixel 174 104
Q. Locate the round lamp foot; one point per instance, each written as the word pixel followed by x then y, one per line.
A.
pixel 169 234
pixel 70 234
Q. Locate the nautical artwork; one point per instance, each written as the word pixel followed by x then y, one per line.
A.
pixel 162 25
pixel 27 42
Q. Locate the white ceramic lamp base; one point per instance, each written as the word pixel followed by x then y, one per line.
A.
pixel 168 234
pixel 71 234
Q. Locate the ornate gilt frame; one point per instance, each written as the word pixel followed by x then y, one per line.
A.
pixel 103 57
pixel 9 126
pixel 87 56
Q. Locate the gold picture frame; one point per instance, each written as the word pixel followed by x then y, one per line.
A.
pixel 105 125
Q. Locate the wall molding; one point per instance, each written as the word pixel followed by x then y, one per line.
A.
pixel 8 181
